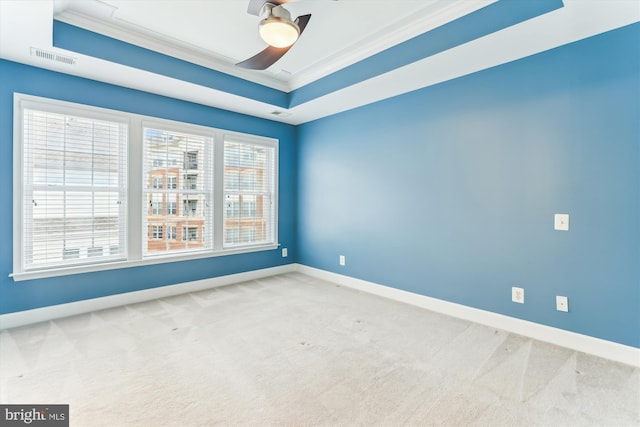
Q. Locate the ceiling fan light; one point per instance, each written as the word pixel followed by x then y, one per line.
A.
pixel 279 32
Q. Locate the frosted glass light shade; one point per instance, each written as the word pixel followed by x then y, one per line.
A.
pixel 278 32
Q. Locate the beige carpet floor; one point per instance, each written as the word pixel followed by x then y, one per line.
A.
pixel 292 350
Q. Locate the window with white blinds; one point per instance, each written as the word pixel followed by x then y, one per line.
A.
pixel 74 189
pixel 178 188
pixel 98 189
pixel 249 190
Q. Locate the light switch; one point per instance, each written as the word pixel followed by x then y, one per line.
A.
pixel 561 222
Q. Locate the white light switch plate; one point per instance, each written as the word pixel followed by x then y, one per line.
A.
pixel 561 222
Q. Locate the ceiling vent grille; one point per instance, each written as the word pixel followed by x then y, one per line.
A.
pixel 280 113
pixel 52 56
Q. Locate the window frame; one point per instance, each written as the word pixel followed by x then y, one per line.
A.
pixel 172 182
pixel 136 207
pixel 172 232
pixel 241 191
pixel 202 199
pixel 157 232
pixel 155 185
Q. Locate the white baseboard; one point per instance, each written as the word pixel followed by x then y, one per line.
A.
pixel 28 317
pixel 579 342
pixel 584 343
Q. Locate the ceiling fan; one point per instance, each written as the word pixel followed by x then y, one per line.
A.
pixel 277 29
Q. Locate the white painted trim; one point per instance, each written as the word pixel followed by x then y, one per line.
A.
pixel 579 342
pixel 423 20
pixel 135 230
pixel 27 24
pixel 435 14
pixel 572 340
pixel 130 33
pixel 44 314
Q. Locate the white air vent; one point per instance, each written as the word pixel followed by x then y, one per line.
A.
pixel 280 113
pixel 52 56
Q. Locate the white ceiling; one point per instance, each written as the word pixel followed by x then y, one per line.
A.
pixel 219 33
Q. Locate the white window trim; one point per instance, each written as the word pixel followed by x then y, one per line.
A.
pixel 247 139
pixel 135 208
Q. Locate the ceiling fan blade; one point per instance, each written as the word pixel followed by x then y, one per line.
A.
pixel 264 59
pixel 302 21
pixel 255 6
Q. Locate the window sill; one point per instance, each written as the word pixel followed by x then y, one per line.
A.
pixel 160 259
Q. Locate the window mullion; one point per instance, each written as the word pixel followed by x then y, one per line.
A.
pixel 218 192
pixel 66 181
pixel 135 204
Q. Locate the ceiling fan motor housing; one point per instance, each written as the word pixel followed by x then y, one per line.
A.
pixel 278 11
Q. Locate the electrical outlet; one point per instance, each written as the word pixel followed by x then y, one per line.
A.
pixel 284 252
pixel 342 260
pixel 517 295
pixel 562 303
pixel 561 222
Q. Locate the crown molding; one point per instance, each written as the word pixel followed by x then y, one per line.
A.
pixel 433 15
pixel 129 33
pixel 426 19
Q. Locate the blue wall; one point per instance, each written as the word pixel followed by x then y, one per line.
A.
pixel 17 296
pixel 450 191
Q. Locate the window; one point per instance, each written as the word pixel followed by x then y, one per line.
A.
pixel 190 234
pixel 72 190
pixel 156 205
pixel 95 251
pixel 71 254
pixel 172 208
pixel 248 206
pixel 157 182
pixel 190 208
pixel 156 232
pixel 99 189
pixel 191 182
pixel 191 160
pixel 169 144
pixel 233 206
pixel 249 187
pixel 172 182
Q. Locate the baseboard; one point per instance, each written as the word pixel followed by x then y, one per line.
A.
pixel 579 342
pixel 28 317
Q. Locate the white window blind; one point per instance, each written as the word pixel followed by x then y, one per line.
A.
pixel 249 193
pixel 97 189
pixel 184 207
pixel 73 189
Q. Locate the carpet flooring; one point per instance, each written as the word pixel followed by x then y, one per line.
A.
pixel 292 350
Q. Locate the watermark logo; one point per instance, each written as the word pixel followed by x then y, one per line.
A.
pixel 34 415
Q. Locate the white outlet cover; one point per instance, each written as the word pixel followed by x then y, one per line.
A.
pixel 285 253
pixel 517 295
pixel 562 303
pixel 561 222
pixel 342 260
